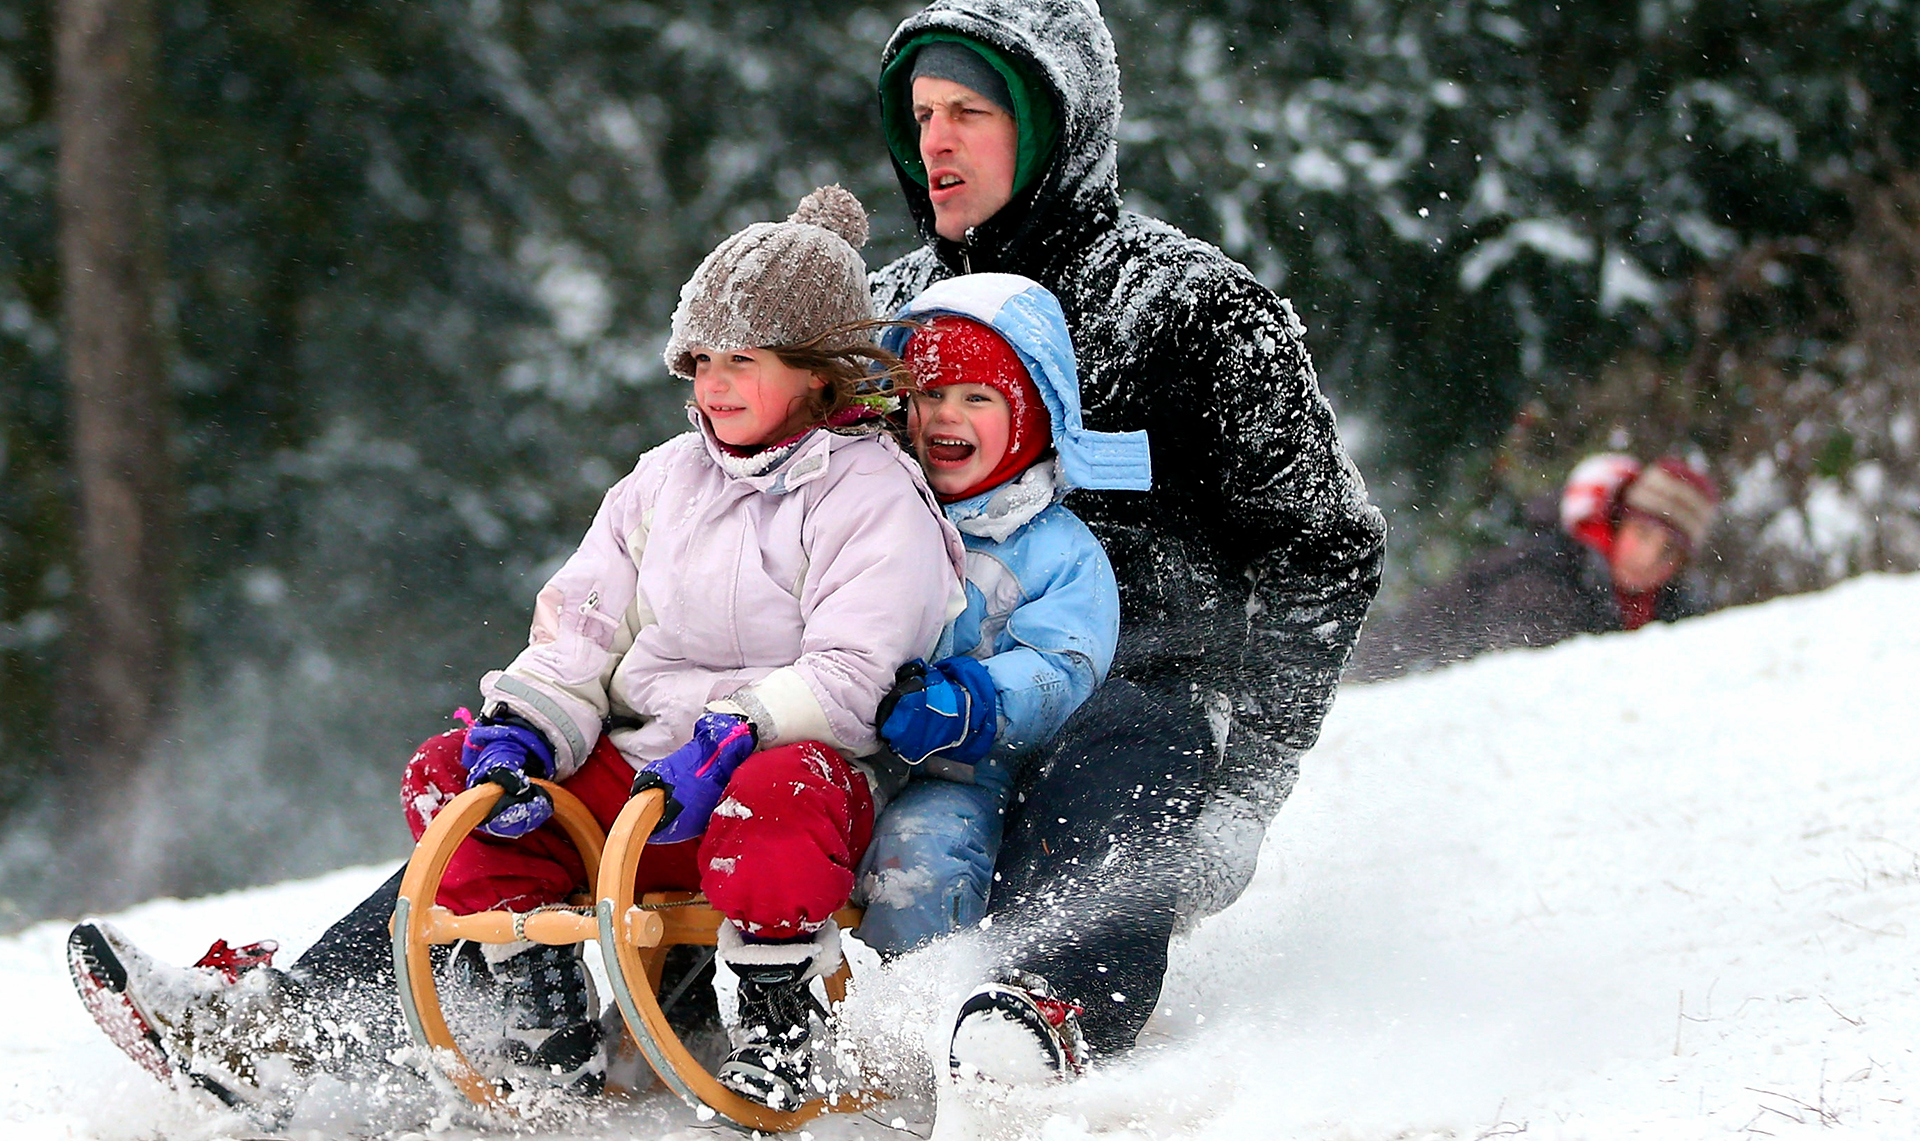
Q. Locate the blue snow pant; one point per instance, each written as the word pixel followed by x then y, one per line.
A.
pixel 1098 851
pixel 929 868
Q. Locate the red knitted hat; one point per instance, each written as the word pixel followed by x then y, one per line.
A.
pixel 959 350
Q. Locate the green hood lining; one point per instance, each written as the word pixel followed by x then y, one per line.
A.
pixel 1033 112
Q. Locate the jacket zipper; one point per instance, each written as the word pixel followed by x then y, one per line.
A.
pixel 966 251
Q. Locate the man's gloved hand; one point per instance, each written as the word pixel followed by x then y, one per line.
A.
pixel 949 707
pixel 507 752
pixel 695 775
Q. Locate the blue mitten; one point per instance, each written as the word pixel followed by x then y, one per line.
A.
pixel 695 775
pixel 507 752
pixel 949 707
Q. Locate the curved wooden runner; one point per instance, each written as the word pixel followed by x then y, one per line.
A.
pixel 634 937
pixel 418 923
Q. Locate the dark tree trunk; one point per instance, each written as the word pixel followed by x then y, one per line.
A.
pixel 120 653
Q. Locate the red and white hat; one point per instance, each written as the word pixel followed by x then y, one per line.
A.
pixel 1669 491
pixel 951 349
pixel 1675 494
pixel 1587 502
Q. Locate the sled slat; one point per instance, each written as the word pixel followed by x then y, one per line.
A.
pixel 556 928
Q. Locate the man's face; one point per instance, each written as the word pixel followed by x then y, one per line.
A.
pixel 970 148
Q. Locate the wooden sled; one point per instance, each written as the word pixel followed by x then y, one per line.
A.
pixel 634 935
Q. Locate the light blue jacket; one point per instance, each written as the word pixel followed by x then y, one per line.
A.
pixel 1043 608
pixel 1042 614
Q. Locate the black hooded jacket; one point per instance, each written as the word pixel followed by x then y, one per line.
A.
pixel 1248 568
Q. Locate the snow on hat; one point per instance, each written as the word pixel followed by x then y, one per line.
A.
pixel 951 349
pixel 777 283
pixel 1674 493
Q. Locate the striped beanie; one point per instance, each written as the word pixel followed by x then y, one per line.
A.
pixel 1675 494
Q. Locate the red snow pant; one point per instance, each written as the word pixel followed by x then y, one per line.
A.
pixel 777 857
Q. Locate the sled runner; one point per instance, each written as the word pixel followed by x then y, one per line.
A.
pixel 634 936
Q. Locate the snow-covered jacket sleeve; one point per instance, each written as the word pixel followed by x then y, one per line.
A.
pixel 883 574
pixel 1293 517
pixel 1060 639
pixel 559 682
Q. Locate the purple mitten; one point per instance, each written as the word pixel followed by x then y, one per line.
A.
pixel 508 754
pixel 696 774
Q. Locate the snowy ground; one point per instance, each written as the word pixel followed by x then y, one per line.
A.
pixel 1650 885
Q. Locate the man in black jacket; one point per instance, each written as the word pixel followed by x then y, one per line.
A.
pixel 1244 574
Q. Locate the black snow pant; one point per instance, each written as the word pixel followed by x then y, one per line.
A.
pixel 1098 849
pixel 347 976
pixel 357 950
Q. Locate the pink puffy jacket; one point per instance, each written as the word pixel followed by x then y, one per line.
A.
pixel 790 596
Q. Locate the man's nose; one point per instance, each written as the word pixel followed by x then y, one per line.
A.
pixel 936 136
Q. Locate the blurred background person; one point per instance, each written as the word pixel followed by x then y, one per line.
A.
pixel 1614 559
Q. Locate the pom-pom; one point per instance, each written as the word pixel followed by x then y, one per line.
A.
pixel 835 209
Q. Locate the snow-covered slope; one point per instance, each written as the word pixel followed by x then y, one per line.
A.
pixel 1648 885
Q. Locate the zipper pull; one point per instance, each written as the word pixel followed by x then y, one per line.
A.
pixel 966 250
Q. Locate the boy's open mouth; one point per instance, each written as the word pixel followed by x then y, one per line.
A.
pixel 947 450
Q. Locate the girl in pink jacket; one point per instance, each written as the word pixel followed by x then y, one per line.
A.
pixel 726 630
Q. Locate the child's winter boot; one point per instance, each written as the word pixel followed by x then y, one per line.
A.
pixel 230 1024
pixel 554 1035
pixel 773 1060
pixel 1014 1032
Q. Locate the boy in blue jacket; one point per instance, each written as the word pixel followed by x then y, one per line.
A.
pixel 996 425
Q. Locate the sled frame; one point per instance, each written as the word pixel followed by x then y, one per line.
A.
pixel 634 936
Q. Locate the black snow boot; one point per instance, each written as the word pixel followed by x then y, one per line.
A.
pixel 553 1030
pixel 773 1060
pixel 1013 1032
pixel 773 1064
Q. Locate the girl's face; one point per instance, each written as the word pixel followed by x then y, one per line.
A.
pixel 750 396
pixel 960 434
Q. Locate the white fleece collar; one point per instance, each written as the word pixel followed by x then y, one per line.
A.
pixel 999 513
pixel 776 470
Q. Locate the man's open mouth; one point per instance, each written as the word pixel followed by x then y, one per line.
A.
pixel 947 450
pixel 948 182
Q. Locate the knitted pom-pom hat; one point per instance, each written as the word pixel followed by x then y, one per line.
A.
pixel 777 283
